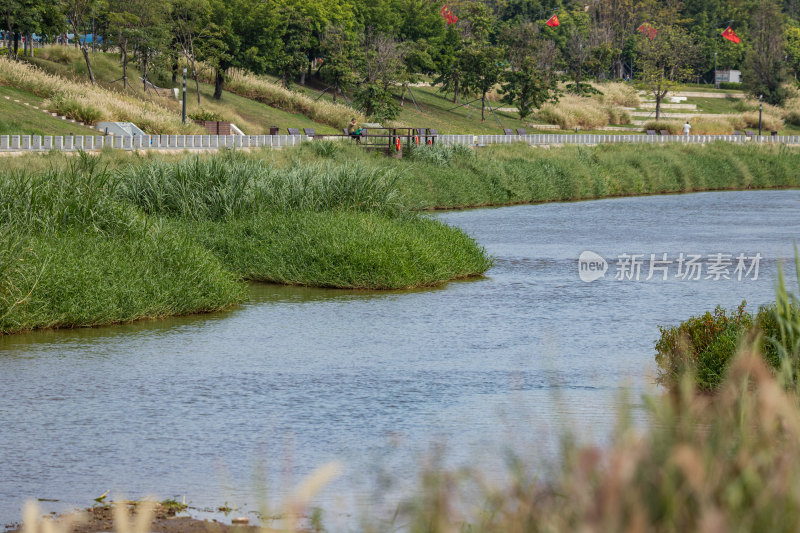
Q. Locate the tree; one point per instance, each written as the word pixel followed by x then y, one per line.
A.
pixel 241 36
pixel 576 55
pixel 77 12
pixel 664 61
pixel 338 52
pixel 382 70
pixel 793 49
pixel 527 88
pixel 446 61
pixel 764 70
pixel 190 20
pixel 288 56
pixel 123 17
pixel 482 66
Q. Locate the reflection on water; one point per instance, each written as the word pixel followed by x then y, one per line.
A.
pixel 297 377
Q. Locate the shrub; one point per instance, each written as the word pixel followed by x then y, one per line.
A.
pixel 674 128
pixel 203 115
pixel 701 345
pixel 704 346
pixel 731 85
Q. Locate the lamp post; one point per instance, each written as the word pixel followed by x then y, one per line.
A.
pixel 760 108
pixel 183 115
pixel 716 82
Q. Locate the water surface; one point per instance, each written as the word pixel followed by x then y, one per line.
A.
pixel 296 377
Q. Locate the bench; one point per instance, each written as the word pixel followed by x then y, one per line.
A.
pixel 293 131
pixel 664 132
pixel 651 132
pixel 507 131
pixel 749 133
pixel 309 132
pixel 521 131
pixel 737 132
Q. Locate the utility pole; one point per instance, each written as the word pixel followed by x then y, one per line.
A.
pixel 184 96
pixel 760 107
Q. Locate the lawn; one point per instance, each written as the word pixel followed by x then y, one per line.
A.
pixel 16 118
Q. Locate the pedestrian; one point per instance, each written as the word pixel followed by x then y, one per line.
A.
pixel 687 128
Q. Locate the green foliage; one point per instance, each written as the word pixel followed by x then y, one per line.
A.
pixel 702 346
pixel 377 102
pixel 730 85
pixel 583 89
pixel 442 156
pixel 527 88
pixel 665 61
pixel 203 115
pixel 232 186
pixel 764 69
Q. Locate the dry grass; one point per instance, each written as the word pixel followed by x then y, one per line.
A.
pixel 271 94
pixel 90 104
pixel 586 113
pixel 618 94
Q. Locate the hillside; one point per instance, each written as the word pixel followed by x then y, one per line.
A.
pixel 21 113
pixel 252 117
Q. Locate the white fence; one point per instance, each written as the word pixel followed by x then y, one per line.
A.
pixel 38 143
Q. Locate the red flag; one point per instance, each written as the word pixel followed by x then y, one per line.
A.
pixel 448 15
pixel 553 22
pixel 648 29
pixel 731 35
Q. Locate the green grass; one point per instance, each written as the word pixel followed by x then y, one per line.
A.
pixel 342 249
pixel 84 244
pixel 511 174
pixel 724 106
pixel 18 119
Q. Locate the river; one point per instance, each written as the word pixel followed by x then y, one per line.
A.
pixel 296 377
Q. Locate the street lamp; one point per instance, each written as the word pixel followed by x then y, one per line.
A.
pixel 183 115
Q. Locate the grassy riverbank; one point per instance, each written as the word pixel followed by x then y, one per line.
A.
pixel 84 245
pixel 116 237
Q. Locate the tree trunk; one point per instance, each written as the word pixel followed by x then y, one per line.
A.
pixel 455 92
pixel 658 105
pixel 175 72
pixel 219 80
pixel 85 51
pixel 16 44
pixel 196 82
pixel 335 90
pixel 483 106
pixel 124 66
pixel 144 73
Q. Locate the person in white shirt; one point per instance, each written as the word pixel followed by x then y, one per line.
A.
pixel 686 128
